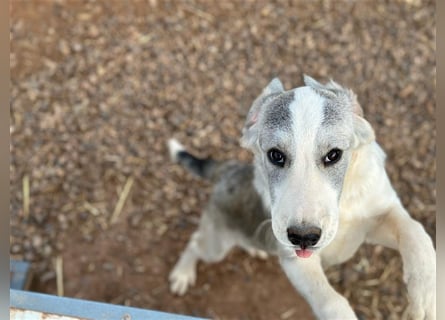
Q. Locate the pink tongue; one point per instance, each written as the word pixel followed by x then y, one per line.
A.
pixel 303 253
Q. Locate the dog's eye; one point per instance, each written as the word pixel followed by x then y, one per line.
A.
pixel 276 157
pixel 332 157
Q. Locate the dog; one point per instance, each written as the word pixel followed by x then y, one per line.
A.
pixel 317 190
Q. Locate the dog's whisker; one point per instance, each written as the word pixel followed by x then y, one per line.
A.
pixel 284 243
pixel 260 227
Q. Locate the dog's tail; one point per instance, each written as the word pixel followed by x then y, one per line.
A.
pixel 204 168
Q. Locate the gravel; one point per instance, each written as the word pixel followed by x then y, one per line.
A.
pixel 98 87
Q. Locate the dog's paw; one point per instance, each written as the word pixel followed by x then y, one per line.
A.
pixel 423 307
pixel 335 307
pixel 421 312
pixel 181 280
pixel 255 253
pixel 422 298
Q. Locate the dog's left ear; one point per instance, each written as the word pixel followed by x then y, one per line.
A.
pixel 363 132
pixel 250 132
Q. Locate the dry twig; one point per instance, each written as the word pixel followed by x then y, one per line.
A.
pixel 120 203
pixel 59 275
pixel 26 196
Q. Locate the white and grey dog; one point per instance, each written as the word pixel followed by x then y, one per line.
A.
pixel 316 191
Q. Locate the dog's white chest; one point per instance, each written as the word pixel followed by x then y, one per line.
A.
pixel 349 237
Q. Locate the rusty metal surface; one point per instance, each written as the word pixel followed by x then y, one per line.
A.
pixel 25 305
pixel 20 314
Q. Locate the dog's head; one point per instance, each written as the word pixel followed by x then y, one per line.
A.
pixel 303 140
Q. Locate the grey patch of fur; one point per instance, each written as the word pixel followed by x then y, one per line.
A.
pixel 339 101
pixel 239 206
pixel 342 106
pixel 267 98
pixel 337 113
pixel 333 112
pixel 250 131
pixel 273 89
pixel 278 113
pixel 277 118
pixel 234 206
pixel 336 173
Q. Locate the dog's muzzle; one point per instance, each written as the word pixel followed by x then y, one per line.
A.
pixel 303 237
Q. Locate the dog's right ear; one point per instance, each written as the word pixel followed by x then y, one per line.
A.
pixel 363 132
pixel 250 133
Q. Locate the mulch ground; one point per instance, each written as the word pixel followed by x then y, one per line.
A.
pixel 97 87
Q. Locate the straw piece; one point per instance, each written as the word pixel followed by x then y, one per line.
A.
pixel 120 203
pixel 26 196
pixel 200 13
pixel 287 314
pixel 59 275
pixel 92 209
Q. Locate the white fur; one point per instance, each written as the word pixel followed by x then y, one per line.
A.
pixel 174 147
pixel 368 210
pixel 298 205
pixel 364 208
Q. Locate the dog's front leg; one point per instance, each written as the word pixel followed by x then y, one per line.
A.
pixel 308 277
pixel 397 230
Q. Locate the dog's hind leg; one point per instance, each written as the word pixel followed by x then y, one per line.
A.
pixel 209 243
pixel 184 273
pixel 256 253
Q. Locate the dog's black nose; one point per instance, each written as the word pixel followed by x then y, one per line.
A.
pixel 303 236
